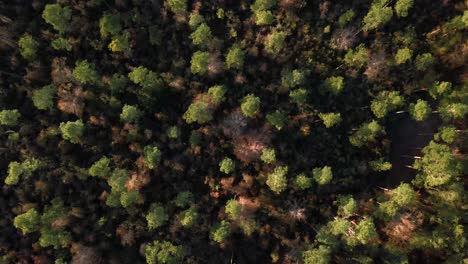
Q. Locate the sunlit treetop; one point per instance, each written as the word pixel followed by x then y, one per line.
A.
pixel 9 117
pixel 85 73
pixel 402 7
pixel 59 17
pixel 28 46
pixel 109 25
pixel 152 156
pixel 275 42
pixel 43 99
pixel 177 6
pixel 334 84
pixel 261 5
pixel 323 175
pixel 202 35
pixel 235 57
pixel 277 180
pixel 330 119
pixel 164 252
pixel 250 105
pixel 379 14
pixel 385 102
pixel 420 110
pixel 130 114
pixel 72 131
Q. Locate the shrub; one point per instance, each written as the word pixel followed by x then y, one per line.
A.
pixel 147 79
pixel 264 17
pixel 27 222
pixel 403 55
pixel 330 119
pixel 164 252
pixel 85 73
pixel 177 6
pixel 152 156
pixel 130 114
pixel 220 232
pixel 277 180
pixel 202 35
pixel 334 84
pixel 268 156
pixel 189 217
pixel 199 111
pixel 226 166
pixel 43 98
pixel 233 209
pixel 156 216
pixel 28 46
pixel 235 57
pixel 303 182
pixel 199 62
pixel 101 168
pixel 275 42
pixel 277 119
pixel 323 175
pixel 420 111
pixel 61 44
pixel 379 14
pixel 72 131
pixel 59 17
pixel 402 7
pixel 250 105
pixel 9 117
pixel 109 25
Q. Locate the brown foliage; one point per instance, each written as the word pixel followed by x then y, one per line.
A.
pixel 71 99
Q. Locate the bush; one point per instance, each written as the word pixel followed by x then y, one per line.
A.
pixel 275 42
pixel 43 98
pixel 233 209
pixel 250 105
pixel 403 55
pixel 303 182
pixel 268 156
pixel 220 232
pixel 85 73
pixel 72 131
pixel 152 156
pixel 27 222
pixel 28 46
pixel 156 216
pixel 277 180
pixel 226 166
pixel 199 62
pixel 420 111
pixel 330 119
pixel 101 168
pixel 164 252
pixel 61 44
pixel 9 117
pixel 59 17
pixel 235 57
pixel 202 35
pixel 277 119
pixel 323 175
pixel 109 25
pixel 130 114
pixel 177 6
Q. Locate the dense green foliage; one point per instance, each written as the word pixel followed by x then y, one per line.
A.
pixel 28 46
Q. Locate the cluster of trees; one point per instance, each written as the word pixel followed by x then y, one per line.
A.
pixel 260 131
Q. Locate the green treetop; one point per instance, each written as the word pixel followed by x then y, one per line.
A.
pixel 183 199
pixel 424 61
pixel 217 94
pixel 278 119
pixel 323 175
pixel 72 131
pixel 268 155
pixel 294 78
pixel 448 134
pixel 130 114
pixel 189 217
pixel 152 156
pixel 220 231
pixel 28 46
pixel 365 133
pixel 439 89
pixel 403 55
pixel 164 252
pixel 277 180
pixel 172 132
pixel 339 226
pixel 199 62
pixel 303 182
pixel 261 5
pixel 330 119
pixel 195 20
pixel 101 168
pixel 320 255
pixel 43 98
pixel 235 57
pixel 402 7
pixel 109 25
pixel 202 35
pixel 226 166
pixel 121 43
pixel 61 44
pixel 177 6
pixel 334 84
pixel 380 165
pixel 24 169
pixel 346 205
pixel 233 209
pixel 448 112
pixel 403 195
pixel 156 216
pixel 59 17
pixel 250 105
pixel 146 78
pixel 275 42
pixel 264 17
pixel 298 96
pixel 346 17
pixel 437 166
pixel 199 111
pixel 420 111
pixel 27 222
pixel 379 14
pixel 117 83
pixel 9 117
pixel 365 230
pixel 357 57
pixel 85 73
pixel 386 101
